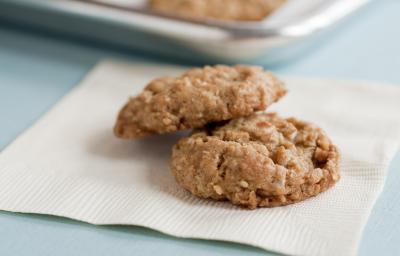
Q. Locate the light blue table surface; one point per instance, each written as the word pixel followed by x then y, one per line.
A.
pixel 37 69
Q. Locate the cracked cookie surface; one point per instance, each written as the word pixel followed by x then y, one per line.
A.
pixel 244 10
pixel 261 160
pixel 197 97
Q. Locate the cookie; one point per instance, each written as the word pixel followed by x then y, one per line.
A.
pixel 261 160
pixel 244 10
pixel 197 97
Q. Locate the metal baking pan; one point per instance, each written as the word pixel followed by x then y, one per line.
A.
pixel 131 24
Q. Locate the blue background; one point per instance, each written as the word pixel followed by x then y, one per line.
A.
pixel 38 68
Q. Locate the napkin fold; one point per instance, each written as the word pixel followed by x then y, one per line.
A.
pixel 70 164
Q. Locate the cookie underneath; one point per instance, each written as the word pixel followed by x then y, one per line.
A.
pixel 258 161
pixel 197 97
pixel 242 10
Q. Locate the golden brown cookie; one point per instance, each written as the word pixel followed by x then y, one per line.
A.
pixel 245 10
pixel 197 97
pixel 258 161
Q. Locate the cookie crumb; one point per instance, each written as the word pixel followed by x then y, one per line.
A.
pixel 243 184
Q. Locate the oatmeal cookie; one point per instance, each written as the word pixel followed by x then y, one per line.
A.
pixel 244 10
pixel 261 160
pixel 197 97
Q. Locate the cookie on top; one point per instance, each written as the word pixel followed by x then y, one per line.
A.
pixel 196 98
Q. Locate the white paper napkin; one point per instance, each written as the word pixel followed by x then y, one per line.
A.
pixel 70 164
